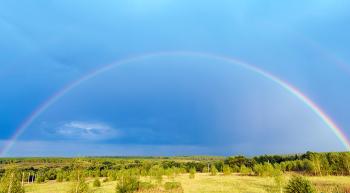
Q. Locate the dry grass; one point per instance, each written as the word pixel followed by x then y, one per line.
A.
pixel 204 183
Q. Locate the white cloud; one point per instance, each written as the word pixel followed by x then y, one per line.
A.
pixel 86 130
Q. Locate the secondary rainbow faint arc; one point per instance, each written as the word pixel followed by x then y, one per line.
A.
pixel 287 86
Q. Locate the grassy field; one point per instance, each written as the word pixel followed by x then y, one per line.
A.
pixel 204 183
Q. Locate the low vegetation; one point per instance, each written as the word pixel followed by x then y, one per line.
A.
pixel 299 184
pixel 97 182
pixel 11 182
pixel 310 172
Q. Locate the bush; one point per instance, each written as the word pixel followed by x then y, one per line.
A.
pixel 127 184
pixel 267 169
pixel 192 173
pixel 245 170
pixel 50 174
pixel 213 170
pixel 79 187
pixel 145 186
pixel 96 183
pixel 67 177
pixel 226 170
pixel 59 177
pixel 156 172
pixel 40 178
pixel 112 175
pixel 298 184
pixel 173 186
pixel 170 173
pixel 11 182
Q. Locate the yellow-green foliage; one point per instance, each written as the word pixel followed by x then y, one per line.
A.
pixel 170 173
pixel 143 186
pixel 226 169
pixel 299 184
pixel 128 183
pixel 11 182
pixel 157 172
pixel 204 183
pixel 173 186
pixel 192 173
pixel 40 178
pixel 79 186
pixel 267 169
pixel 213 170
pixel 59 177
pixel 245 170
pixel 96 183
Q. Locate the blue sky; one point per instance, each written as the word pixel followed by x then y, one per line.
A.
pixel 179 104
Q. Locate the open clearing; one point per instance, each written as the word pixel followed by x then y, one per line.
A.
pixel 203 183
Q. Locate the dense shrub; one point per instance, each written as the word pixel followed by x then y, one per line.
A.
pixel 59 177
pixel 173 186
pixel 192 173
pixel 79 187
pixel 226 170
pixel 78 177
pixel 205 170
pixel 267 169
pixel 245 170
pixel 112 175
pixel 40 178
pixel 170 173
pixel 145 186
pixel 299 184
pixel 128 183
pixel 96 183
pixel 50 174
pixel 156 172
pixel 11 182
pixel 213 170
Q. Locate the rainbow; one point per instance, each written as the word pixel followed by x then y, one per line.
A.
pixel 287 86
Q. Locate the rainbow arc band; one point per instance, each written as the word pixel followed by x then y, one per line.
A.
pixel 287 86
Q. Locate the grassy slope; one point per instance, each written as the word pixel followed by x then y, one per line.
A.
pixel 203 183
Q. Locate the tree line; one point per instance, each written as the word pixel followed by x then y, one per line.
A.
pixel 309 163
